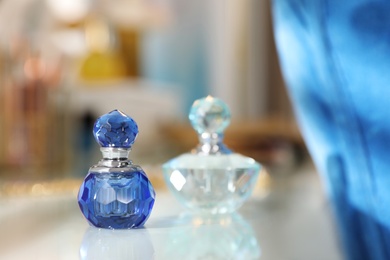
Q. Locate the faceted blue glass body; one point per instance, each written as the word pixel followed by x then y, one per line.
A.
pixel 116 200
pixel 115 129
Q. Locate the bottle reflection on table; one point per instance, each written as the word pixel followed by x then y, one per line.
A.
pixel 187 236
pixel 116 244
pixel 227 236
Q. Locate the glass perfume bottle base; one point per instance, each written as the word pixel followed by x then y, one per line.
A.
pixel 116 200
pixel 215 184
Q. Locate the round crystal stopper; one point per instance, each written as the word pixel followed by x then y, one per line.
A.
pixel 209 115
pixel 115 129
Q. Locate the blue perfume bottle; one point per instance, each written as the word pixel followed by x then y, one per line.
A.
pixel 116 194
pixel 211 178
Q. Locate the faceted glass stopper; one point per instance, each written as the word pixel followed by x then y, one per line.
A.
pixel 209 115
pixel 115 129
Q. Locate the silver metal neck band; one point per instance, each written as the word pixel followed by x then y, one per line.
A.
pixel 115 153
pixel 211 144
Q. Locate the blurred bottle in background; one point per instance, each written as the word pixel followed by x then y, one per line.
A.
pixel 150 58
pixel 62 63
pixel 335 59
pixel 31 118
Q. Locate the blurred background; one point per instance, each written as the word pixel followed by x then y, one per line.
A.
pixel 63 63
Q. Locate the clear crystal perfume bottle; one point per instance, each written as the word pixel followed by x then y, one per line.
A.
pixel 116 194
pixel 211 178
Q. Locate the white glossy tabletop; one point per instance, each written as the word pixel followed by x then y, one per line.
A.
pixel 292 222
